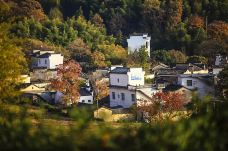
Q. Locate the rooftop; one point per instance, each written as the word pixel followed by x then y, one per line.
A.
pixel 84 92
pixel 120 70
pixel 46 55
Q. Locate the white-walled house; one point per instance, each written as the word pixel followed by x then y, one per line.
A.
pixel 127 87
pixel 138 40
pixel 49 61
pixel 203 84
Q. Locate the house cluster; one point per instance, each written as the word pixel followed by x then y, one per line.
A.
pixel 126 85
pixel 43 68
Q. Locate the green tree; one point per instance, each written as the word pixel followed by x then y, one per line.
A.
pixel 12 65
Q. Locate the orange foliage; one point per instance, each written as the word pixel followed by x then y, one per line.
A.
pixel 98 59
pixel 162 103
pixel 67 81
pixel 218 30
pixel 196 21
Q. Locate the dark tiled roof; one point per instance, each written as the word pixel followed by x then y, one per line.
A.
pixel 138 34
pixel 120 70
pixel 46 55
pixel 169 72
pixel 84 92
pixel 186 67
pixel 172 87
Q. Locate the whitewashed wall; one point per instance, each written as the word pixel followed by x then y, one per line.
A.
pixel 86 99
pixel 55 60
pixel 136 42
pixel 136 76
pixel 123 79
pixel 118 101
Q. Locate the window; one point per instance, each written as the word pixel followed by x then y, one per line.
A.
pixel 147 44
pixel 189 82
pixel 113 96
pixel 118 80
pixel 83 101
pixel 122 96
pixel 39 61
pixel 45 61
pixel 133 97
pixel 89 100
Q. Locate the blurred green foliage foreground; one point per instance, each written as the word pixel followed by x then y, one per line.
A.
pixel 205 130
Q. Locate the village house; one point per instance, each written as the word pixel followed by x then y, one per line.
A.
pixel 137 41
pixel 46 59
pixel 203 84
pixel 170 75
pixel 127 87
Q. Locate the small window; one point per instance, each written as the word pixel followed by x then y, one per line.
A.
pixel 122 96
pixel 39 61
pixel 146 44
pixel 45 61
pixel 118 80
pixel 89 100
pixel 189 82
pixel 113 95
pixel 83 101
pixel 133 97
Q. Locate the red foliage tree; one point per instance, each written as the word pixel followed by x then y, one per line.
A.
pixel 67 81
pixel 163 105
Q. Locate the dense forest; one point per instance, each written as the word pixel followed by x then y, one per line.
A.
pixel 95 31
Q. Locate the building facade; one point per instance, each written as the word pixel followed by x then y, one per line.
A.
pixel 123 86
pixel 49 61
pixel 137 41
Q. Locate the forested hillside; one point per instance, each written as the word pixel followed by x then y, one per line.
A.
pixel 99 28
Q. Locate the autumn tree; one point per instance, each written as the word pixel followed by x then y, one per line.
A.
pixel 12 65
pixel 67 81
pixel 162 106
pixel 177 56
pixel 173 13
pixel 79 50
pixel 218 30
pixel 97 20
pixel 196 22
pixel 29 9
pixel 98 59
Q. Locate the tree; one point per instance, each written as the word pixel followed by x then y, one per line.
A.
pixel 222 87
pixel 196 22
pixel 218 30
pixel 162 106
pixel 67 81
pixel 79 50
pixel 98 59
pixel 113 53
pixel 12 65
pixel 97 20
pixel 177 56
pixel 197 59
pixel 29 9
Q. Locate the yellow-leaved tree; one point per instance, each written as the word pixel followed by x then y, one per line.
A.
pixel 12 65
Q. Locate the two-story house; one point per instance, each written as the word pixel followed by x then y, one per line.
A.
pixel 49 61
pixel 46 59
pixel 127 87
pixel 137 41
